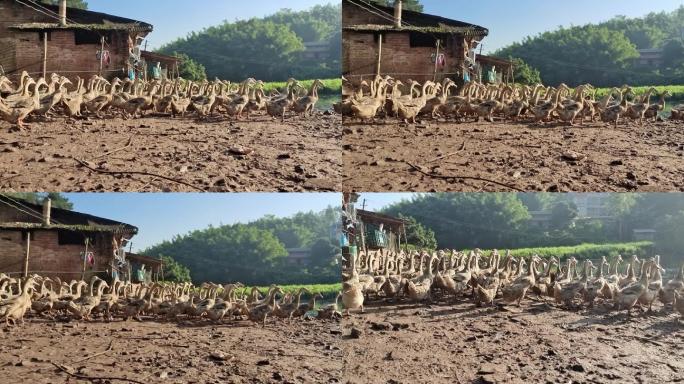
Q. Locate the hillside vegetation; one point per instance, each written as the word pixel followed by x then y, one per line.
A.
pixel 604 54
pixel 269 48
pixel 256 253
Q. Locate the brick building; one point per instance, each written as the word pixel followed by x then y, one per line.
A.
pixel 54 242
pixel 73 42
pixel 405 44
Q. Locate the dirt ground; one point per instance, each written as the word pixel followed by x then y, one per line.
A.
pixel 473 157
pixel 536 343
pixel 218 155
pixel 149 352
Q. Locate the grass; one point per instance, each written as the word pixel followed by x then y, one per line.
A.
pixel 329 291
pixel 677 97
pixel 331 86
pixel 587 251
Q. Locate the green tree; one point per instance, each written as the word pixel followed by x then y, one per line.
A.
pixel 190 69
pixel 173 271
pixel 410 5
pixel 323 255
pixel 58 199
pixel 673 53
pixel 563 215
pixel 468 220
pixel 418 235
pixel 669 239
pixel 525 74
pixel 81 4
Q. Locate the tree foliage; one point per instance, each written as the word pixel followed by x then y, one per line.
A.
pixel 466 220
pixel 173 271
pixel 256 252
pixel 58 199
pixel 503 221
pixel 269 48
pixel 604 54
pixel 524 73
pixel 418 235
pixel 80 4
pixel 190 69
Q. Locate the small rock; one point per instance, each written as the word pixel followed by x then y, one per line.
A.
pixel 355 333
pixel 277 376
pixel 284 156
pixel 240 150
pixel 218 356
pixel 262 363
pixel 577 367
pixel 573 156
pixel 299 169
pixel 182 168
pixel 616 162
pixel 163 375
pixel 381 326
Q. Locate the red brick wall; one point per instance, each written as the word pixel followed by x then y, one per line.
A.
pixel 20 50
pixel 360 51
pixel 45 254
pixel 399 59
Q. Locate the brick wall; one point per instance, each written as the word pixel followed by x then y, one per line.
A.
pixel 46 254
pixel 398 57
pixel 23 50
pixel 360 51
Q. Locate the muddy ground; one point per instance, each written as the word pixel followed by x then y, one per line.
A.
pixel 218 155
pixel 150 352
pixel 537 343
pixel 456 157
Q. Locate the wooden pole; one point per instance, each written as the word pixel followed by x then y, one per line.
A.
pixel 379 67
pixel 102 44
pixel 85 258
pixel 45 47
pixel 434 77
pixel 28 250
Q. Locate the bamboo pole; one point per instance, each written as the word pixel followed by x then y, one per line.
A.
pixel 379 66
pixel 102 44
pixel 28 251
pixel 434 77
pixel 45 54
pixel 85 258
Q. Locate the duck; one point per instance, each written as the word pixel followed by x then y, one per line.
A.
pixel 16 111
pixel 627 297
pixel 667 293
pixel 655 284
pixel 83 306
pixel 15 308
pixel 518 288
pixel 655 109
pixel 307 104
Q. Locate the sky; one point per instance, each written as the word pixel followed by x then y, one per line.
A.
pixel 175 18
pixel 161 216
pixel 377 201
pixel 511 21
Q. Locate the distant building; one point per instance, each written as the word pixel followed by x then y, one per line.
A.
pixel 593 205
pixel 650 58
pixel 404 44
pixel 74 40
pixel 644 234
pixel 317 50
pixel 299 256
pixel 70 245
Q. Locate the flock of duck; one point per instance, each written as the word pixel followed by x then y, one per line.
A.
pixel 386 97
pixel 58 95
pixel 425 277
pixel 79 300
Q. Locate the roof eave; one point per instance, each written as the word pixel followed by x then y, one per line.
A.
pixel 90 27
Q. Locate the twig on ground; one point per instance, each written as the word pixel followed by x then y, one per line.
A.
pixel 128 144
pixel 449 154
pixel 450 177
pixel 94 378
pixel 111 344
pixel 86 165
